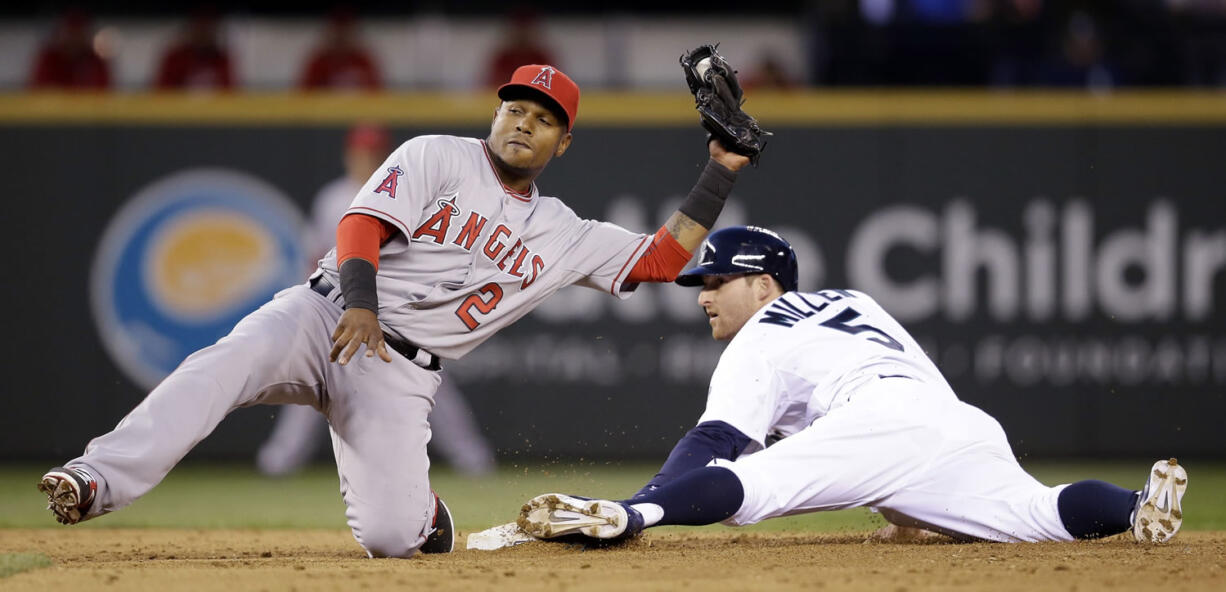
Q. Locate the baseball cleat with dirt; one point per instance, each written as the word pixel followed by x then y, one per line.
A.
pixel 554 515
pixel 1159 512
pixel 70 493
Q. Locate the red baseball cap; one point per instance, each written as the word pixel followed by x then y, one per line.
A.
pixel 368 136
pixel 546 80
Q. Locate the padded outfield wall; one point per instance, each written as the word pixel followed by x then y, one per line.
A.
pixel 1060 256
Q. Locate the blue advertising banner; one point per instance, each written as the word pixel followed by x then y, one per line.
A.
pixel 1066 277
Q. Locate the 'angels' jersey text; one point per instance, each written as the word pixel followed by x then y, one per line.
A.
pixel 472 256
pixel 437 227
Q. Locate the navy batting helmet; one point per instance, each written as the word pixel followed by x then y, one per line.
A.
pixel 744 249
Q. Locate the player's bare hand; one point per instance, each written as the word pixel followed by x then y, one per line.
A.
pixel 731 160
pixel 358 327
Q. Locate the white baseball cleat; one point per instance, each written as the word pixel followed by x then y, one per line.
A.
pixel 70 493
pixel 1158 514
pixel 553 515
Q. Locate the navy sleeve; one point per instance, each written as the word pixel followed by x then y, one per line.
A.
pixel 706 441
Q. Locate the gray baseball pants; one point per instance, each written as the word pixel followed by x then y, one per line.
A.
pixel 279 355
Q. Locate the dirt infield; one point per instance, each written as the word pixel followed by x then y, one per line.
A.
pixel 710 559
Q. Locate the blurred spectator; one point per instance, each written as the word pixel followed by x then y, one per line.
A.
pixel 877 12
pixel 300 431
pixel 1018 45
pixel 1198 7
pixel 341 61
pixel 1022 10
pixel 949 12
pixel 1202 30
pixel 69 59
pixel 937 12
pixel 769 74
pixel 522 45
pixel 1081 60
pixel 197 60
pixel 366 146
pixel 1204 57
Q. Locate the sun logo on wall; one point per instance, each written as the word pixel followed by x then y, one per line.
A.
pixel 184 260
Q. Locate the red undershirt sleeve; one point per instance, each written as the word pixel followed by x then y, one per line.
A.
pixel 664 259
pixel 359 235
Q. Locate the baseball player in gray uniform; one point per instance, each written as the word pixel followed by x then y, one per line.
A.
pixel 854 414
pixel 300 430
pixel 448 242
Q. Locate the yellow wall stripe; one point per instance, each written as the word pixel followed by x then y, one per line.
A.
pixel 838 108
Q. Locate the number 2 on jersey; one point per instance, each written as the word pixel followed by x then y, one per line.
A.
pixel 841 320
pixel 483 305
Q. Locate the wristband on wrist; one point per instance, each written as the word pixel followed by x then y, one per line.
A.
pixel 706 199
pixel 358 284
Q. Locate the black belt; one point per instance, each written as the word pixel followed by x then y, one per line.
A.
pixel 411 352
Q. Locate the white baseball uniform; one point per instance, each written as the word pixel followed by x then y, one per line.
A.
pixel 327 209
pixel 299 430
pixel 866 419
pixel 471 258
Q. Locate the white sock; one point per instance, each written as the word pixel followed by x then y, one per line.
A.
pixel 652 513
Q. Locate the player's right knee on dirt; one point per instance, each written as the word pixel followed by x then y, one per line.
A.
pixel 390 533
pixel 384 540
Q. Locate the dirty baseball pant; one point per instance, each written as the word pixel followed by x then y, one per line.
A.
pixel 277 355
pixel 911 451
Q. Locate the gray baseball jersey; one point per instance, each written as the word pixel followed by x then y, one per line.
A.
pixel 473 256
pixel 299 429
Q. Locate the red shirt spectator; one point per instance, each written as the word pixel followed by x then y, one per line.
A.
pixel 197 61
pixel 341 62
pixel 68 60
pixel 521 47
pixel 769 74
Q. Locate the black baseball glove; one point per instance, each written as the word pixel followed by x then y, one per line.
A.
pixel 719 97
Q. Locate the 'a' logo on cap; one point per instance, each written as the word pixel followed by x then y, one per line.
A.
pixel 544 78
